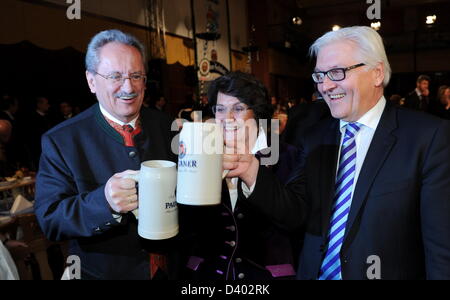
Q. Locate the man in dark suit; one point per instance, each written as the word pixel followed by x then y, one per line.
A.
pixel 419 99
pixel 372 184
pixel 82 194
pixel 39 122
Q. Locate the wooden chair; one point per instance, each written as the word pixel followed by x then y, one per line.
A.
pixel 32 262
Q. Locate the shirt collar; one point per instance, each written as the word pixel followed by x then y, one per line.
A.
pixel 371 118
pixel 261 142
pixel 10 115
pixel 40 113
pixel 109 116
pixel 418 92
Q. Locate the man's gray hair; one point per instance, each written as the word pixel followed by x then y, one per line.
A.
pixel 369 46
pixel 110 36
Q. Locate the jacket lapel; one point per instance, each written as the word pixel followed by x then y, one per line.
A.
pixel 327 174
pixel 379 149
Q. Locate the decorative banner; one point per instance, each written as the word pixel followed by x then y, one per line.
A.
pixel 212 40
pixel 155 19
pixel 212 18
pixel 204 68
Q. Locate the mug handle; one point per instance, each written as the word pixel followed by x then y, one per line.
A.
pixel 134 177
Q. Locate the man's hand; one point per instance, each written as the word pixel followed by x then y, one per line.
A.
pixel 121 192
pixel 426 92
pixel 12 244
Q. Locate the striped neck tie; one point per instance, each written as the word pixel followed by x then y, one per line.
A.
pixel 331 265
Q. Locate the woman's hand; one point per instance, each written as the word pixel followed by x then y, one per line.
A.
pixel 238 158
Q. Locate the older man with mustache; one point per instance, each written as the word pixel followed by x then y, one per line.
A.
pixel 82 194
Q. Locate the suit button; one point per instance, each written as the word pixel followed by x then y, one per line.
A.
pixel 241 276
pixel 132 154
pixel 240 216
pixel 232 228
pixel 232 243
pixel 238 260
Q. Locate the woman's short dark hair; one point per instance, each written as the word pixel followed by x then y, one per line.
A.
pixel 247 89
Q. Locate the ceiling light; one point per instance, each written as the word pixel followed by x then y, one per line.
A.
pixel 376 25
pixel 336 27
pixel 297 21
pixel 431 19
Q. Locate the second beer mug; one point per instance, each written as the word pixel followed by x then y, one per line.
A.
pixel 200 164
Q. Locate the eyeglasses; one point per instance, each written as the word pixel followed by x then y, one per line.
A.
pixel 118 78
pixel 337 74
pixel 237 110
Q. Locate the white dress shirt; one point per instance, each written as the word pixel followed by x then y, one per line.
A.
pixel 107 115
pixel 369 123
pixel 110 117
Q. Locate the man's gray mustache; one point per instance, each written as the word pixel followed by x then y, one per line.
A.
pixel 126 95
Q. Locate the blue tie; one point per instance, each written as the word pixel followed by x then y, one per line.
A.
pixel 331 265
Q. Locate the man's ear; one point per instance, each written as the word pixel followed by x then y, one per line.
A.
pixel 378 73
pixel 91 81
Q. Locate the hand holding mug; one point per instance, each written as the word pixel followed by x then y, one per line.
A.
pixel 121 192
pixel 238 158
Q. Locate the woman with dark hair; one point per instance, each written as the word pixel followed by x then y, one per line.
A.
pixel 234 240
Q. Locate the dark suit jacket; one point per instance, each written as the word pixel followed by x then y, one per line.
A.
pixel 401 205
pixel 79 156
pixel 222 244
pixel 415 102
pixel 35 127
pixel 301 118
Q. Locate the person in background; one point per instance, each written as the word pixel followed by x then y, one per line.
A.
pixel 15 151
pixel 372 184
pixel 9 109
pixel 37 124
pixel 5 134
pixel 397 100
pixel 82 193
pixel 442 104
pixel 66 110
pixel 419 99
pixel 160 103
pixel 303 117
